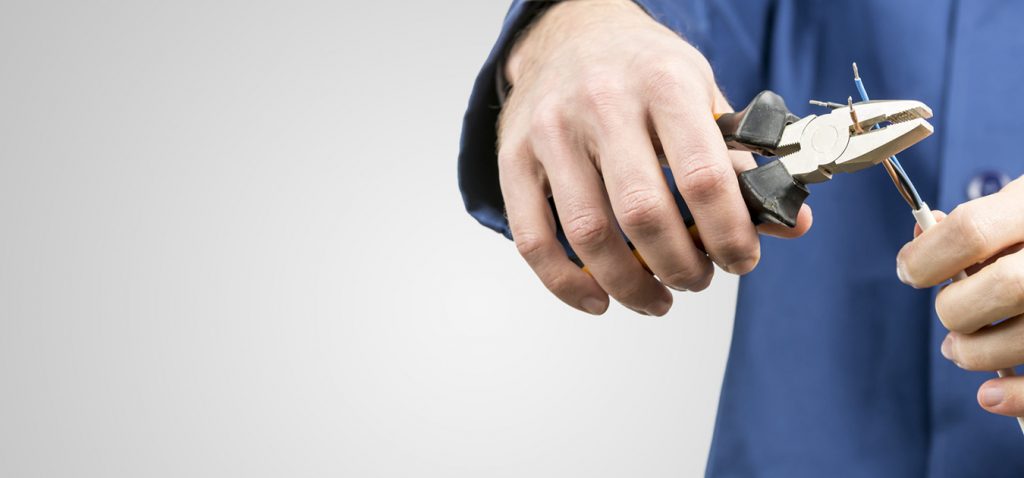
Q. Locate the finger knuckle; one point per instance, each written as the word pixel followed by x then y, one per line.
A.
pixel 971 357
pixel 509 118
pixel 666 80
pixel 690 278
pixel 945 313
pixel 1010 274
pixel 643 211
pixel 530 246
pixel 629 293
pixel 588 229
pixel 705 180
pixel 605 98
pixel 696 60
pixel 666 72
pixel 559 284
pixel 505 157
pixel 602 88
pixel 952 322
pixel 510 154
pixel 549 122
pixel 971 228
pixel 736 249
pixel 704 68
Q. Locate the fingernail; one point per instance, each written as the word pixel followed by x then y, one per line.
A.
pixel 661 308
pixel 593 306
pixel 947 347
pixel 992 395
pixel 677 289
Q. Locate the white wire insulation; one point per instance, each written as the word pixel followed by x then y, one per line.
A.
pixel 926 220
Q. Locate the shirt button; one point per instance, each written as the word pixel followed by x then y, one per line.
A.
pixel 988 182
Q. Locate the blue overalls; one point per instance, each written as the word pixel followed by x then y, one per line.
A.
pixel 834 369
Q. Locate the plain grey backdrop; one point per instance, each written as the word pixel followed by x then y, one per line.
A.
pixel 232 244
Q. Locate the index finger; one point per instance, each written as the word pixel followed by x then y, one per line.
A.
pixel 972 233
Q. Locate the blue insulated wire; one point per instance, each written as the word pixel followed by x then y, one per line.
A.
pixel 895 162
pixel 860 89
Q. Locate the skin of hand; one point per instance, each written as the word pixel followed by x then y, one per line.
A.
pixel 983 237
pixel 599 90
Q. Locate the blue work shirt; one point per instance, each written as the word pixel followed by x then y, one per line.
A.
pixel 834 368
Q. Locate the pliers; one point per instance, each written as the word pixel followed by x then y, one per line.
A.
pixel 811 149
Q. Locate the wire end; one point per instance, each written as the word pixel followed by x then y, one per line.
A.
pixel 826 104
pixel 856 73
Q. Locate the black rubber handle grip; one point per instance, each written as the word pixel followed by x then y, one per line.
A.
pixel 758 127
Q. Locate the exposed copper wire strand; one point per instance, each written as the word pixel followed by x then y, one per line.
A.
pixel 896 181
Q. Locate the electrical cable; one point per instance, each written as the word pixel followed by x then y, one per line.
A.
pixel 922 213
pixel 892 164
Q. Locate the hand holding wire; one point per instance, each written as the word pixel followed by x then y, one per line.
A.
pixel 981 236
pixel 991 395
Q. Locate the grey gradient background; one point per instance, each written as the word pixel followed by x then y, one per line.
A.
pixel 231 244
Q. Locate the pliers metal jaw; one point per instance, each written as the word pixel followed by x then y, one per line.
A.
pixel 816 147
pixel 811 149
